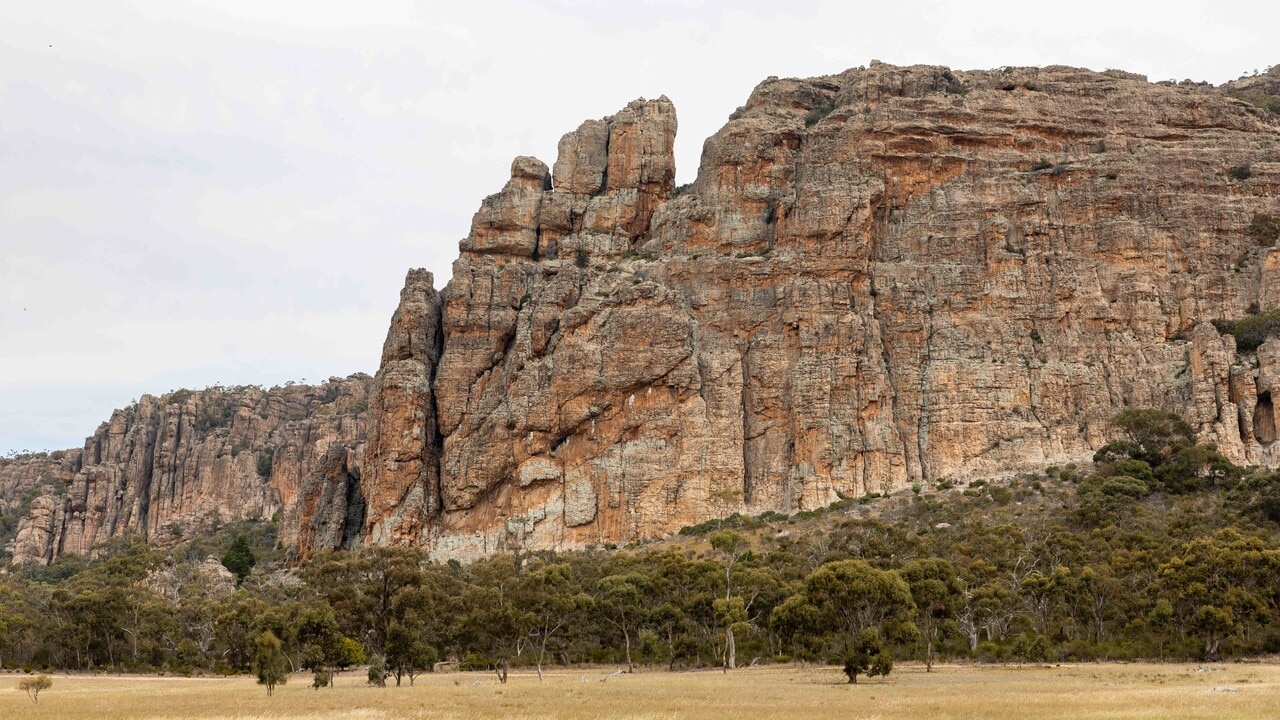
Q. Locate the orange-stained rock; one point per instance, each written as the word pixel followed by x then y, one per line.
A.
pixel 879 276
pixel 402 474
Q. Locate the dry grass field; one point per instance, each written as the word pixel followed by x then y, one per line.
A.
pixel 1077 691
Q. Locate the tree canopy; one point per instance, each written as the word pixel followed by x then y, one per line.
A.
pixel 1159 549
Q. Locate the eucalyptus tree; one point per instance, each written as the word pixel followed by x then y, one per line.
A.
pixel 858 610
pixel 269 663
pixel 936 590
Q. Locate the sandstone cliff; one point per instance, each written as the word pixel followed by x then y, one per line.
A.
pixel 882 276
pixel 879 276
pixel 168 467
pixel 28 485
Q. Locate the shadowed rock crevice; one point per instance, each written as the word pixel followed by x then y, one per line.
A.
pixel 1264 423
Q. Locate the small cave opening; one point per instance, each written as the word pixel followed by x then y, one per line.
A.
pixel 1264 420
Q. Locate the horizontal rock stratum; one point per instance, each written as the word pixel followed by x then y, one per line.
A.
pixel 883 276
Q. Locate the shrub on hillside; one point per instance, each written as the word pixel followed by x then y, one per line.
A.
pixel 1240 172
pixel 1253 330
pixel 1264 228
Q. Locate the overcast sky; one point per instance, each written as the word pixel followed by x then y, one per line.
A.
pixel 232 191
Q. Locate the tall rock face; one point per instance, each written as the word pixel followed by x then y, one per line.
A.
pixel 169 467
pixel 402 477
pixel 882 276
pixel 879 277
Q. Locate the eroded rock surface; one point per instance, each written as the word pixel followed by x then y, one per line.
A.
pixel 402 474
pixel 880 276
pixel 171 466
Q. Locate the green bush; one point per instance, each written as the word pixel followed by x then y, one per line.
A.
pixel 1124 486
pixel 1252 331
pixel 377 675
pixel 331 392
pixel 1259 495
pixel 1265 101
pixel 1134 469
pixel 239 559
pixel 1264 228
pixel 1240 172
pixel 817 113
pixel 216 411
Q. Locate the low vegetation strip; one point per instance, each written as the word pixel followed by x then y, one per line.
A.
pixel 779 692
pixel 1159 549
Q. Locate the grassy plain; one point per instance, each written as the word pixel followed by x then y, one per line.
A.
pixel 790 692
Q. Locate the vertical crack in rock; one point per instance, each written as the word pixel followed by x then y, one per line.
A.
pixel 1264 424
pixel 922 432
pixel 748 424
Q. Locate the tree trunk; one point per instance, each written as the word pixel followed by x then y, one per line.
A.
pixel 671 647
pixel 542 653
pixel 626 641
pixel 1211 645
pixel 730 649
pixel 928 655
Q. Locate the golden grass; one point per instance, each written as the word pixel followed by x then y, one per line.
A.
pixel 790 693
